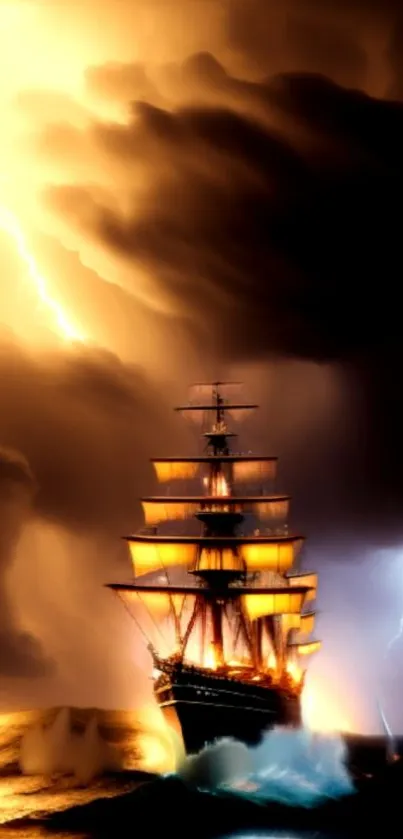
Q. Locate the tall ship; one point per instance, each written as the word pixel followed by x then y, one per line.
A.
pixel 217 589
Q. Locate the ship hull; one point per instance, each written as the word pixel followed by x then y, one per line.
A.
pixel 202 708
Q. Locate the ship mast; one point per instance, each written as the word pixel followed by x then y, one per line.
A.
pixel 241 584
pixel 219 521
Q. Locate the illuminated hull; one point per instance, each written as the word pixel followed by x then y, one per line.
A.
pixel 203 706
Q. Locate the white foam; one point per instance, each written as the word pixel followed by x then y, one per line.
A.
pixel 56 749
pixel 291 766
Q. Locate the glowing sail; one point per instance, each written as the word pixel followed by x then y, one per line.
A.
pixel 306 579
pixel 285 601
pixel 217 566
pixel 159 603
pixel 307 622
pixel 174 470
pixel 177 508
pixel 267 510
pixel 218 559
pixel 244 469
pixel 249 471
pixel 304 623
pixel 149 556
pixel 289 622
pixel 307 647
pixel 261 555
pixel 156 512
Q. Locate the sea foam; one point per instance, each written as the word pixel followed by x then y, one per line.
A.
pixel 57 749
pixel 293 766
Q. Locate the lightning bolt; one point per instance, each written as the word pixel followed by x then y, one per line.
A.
pixel 10 224
pixel 396 637
pixel 391 753
pixel 390 739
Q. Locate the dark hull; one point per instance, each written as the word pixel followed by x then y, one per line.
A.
pixel 203 707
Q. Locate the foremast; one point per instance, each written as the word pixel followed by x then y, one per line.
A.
pixel 242 593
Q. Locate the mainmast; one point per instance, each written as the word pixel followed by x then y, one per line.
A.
pixel 239 557
pixel 220 518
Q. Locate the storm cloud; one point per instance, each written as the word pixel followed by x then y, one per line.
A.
pixel 269 226
pixel 20 652
pixel 210 187
pixel 77 429
pixel 247 226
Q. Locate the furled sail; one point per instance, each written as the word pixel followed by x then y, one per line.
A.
pixel 197 412
pixel 205 390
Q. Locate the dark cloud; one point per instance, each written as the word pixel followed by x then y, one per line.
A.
pixel 81 418
pixel 20 653
pixel 268 242
pixel 342 40
pixel 395 60
pixel 77 428
pixel 255 185
pixel 271 233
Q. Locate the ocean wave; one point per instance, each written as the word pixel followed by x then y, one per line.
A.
pixel 57 749
pixel 291 766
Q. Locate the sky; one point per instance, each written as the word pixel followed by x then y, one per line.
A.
pixel 188 190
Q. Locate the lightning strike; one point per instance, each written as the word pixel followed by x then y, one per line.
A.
pixel 396 637
pixel 391 752
pixel 10 225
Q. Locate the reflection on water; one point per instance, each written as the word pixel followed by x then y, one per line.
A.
pixel 68 748
pixel 52 743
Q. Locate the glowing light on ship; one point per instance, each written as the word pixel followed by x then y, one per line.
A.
pixel 219 486
pixel 271 661
pixel 211 658
pixel 295 671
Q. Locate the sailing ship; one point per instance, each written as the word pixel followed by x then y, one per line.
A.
pixel 217 590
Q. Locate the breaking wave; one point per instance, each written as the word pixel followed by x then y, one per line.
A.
pixel 295 767
pixel 57 749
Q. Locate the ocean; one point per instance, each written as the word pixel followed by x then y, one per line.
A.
pixel 90 773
